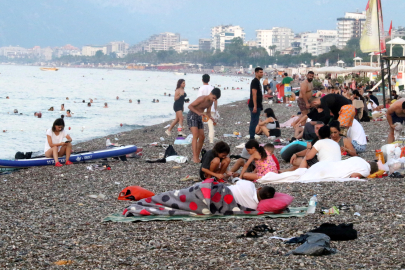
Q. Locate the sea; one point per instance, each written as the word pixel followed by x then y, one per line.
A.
pixel 32 90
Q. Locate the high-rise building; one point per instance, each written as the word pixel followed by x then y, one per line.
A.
pixel 160 42
pixel 350 26
pixel 221 36
pixel 204 44
pixel 280 37
pixel 319 42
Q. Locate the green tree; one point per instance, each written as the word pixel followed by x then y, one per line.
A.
pixel 99 54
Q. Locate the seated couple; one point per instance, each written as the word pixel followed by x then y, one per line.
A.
pixel 215 162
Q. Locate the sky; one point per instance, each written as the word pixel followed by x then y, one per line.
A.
pixel 29 23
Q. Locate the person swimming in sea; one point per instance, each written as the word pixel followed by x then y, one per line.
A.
pixel 89 104
pixel 130 101
pixel 105 105
pixel 68 114
pixel 50 109
pixel 62 107
pixel 139 101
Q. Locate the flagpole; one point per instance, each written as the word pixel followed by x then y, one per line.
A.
pixel 381 59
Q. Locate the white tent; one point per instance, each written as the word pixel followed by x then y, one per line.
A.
pixel 362 68
pixel 333 70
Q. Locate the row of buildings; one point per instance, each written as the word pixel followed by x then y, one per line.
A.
pixel 278 39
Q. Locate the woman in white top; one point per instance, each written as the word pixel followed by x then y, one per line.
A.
pixel 324 149
pixel 270 126
pixel 54 145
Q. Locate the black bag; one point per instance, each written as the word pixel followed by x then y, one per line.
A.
pixel 19 155
pixel 170 152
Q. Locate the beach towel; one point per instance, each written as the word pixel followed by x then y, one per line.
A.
pixel 291 212
pixel 324 171
pixel 280 90
pixel 287 124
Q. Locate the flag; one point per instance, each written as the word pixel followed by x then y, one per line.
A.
pixel 369 41
pixel 390 31
pixel 354 54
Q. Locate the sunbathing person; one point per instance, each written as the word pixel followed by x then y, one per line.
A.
pixel 215 162
pixel 54 145
pixel 263 160
pixel 270 126
pixel 345 143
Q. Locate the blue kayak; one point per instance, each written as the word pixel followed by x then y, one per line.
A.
pixel 80 157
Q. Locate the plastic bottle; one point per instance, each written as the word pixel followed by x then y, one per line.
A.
pixel 108 142
pixel 379 155
pixel 312 205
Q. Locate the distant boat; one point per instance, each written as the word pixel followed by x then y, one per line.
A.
pixel 49 69
pixel 178 73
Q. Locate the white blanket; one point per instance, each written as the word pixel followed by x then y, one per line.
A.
pixel 326 171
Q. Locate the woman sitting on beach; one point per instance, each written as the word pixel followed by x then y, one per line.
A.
pixel 215 162
pixel 54 147
pixel 270 126
pixel 345 143
pixel 263 159
pixel 178 108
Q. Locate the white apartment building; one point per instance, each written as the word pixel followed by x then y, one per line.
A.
pixel 118 47
pixel 319 42
pixel 185 46
pixel 350 26
pixel 13 52
pixel 160 42
pixel 90 50
pixel 222 35
pixel 281 37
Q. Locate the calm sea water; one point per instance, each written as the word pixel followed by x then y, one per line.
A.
pixel 32 90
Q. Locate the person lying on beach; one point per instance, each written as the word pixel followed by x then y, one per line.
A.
pixel 54 145
pixel 68 114
pixel 270 126
pixel 215 162
pixel 195 123
pixel 264 161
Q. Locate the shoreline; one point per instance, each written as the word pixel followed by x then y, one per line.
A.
pixel 48 215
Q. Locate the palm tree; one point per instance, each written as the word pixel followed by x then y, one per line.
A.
pixel 272 49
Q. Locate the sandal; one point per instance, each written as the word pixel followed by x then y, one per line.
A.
pixel 263 228
pixel 58 164
pixel 249 234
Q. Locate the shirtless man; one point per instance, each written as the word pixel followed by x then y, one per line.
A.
pixel 195 123
pixel 305 94
pixel 395 114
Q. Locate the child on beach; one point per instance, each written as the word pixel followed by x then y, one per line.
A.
pixel 263 158
pixel 215 162
pixel 54 147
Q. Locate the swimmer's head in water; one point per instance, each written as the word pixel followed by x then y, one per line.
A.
pixel 15 111
pixel 84 101
pixel 68 111
pixel 105 104
pixel 58 125
pixel 89 104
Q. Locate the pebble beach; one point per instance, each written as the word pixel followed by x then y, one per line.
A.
pixel 48 217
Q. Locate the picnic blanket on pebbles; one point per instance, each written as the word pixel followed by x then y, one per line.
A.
pixel 325 171
pixel 203 200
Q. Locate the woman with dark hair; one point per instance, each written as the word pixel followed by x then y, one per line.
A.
pixel 270 126
pixel 178 108
pixel 344 142
pixel 54 145
pixel 263 159
pixel 215 162
pixel 324 149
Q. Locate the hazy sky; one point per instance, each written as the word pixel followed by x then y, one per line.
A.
pixel 79 22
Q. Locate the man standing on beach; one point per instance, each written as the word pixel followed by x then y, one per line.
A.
pixel 195 123
pixel 255 101
pixel 285 83
pixel 305 94
pixel 205 90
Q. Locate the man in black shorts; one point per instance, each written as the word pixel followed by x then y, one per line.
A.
pixel 195 123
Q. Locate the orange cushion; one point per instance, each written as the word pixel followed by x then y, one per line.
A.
pixel 134 193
